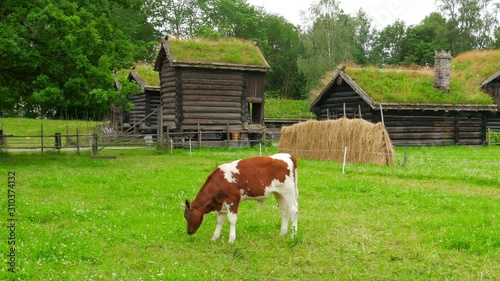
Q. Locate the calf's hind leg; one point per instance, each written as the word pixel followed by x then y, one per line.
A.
pixel 284 213
pixel 293 212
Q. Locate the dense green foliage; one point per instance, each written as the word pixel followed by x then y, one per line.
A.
pixel 58 55
pixel 94 219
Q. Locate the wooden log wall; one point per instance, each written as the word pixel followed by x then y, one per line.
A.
pixel 212 99
pixel 143 111
pixel 138 112
pixel 493 121
pixel 334 104
pixel 168 95
pixel 419 129
pixel 153 100
pixel 428 128
pixel 469 129
pixel 422 128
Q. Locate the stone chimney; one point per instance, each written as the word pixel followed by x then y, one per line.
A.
pixel 442 70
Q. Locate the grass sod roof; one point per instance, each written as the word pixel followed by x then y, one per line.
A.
pixel 145 71
pixel 222 51
pixel 414 85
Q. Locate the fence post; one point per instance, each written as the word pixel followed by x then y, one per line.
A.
pixel 199 136
pixel 382 116
pixel 58 142
pixel 78 140
pixel 168 139
pixel 227 134
pixel 159 134
pixel 95 147
pixel 41 136
pixel 344 162
pixel 67 134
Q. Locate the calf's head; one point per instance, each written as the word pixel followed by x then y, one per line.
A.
pixel 193 217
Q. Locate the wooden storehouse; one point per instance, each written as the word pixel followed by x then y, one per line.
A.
pixel 492 87
pixel 413 120
pixel 143 117
pixel 212 85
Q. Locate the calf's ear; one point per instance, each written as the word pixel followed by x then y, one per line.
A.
pixel 188 205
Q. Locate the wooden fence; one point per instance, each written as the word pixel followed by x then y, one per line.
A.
pixel 109 139
pixel 493 137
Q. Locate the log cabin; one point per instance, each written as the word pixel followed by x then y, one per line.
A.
pixel 452 108
pixel 143 117
pixel 212 85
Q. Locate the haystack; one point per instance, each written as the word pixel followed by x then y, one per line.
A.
pixel 326 140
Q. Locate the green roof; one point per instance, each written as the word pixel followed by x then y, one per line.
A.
pixel 224 50
pixel 405 85
pixel 148 74
pixel 145 72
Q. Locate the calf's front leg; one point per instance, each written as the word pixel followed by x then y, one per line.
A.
pixel 221 217
pixel 232 218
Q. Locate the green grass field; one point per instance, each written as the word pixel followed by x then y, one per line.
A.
pixel 98 219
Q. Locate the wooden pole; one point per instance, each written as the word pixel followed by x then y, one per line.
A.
pixel 168 139
pixel 227 132
pixel 382 115
pixel 489 136
pixel 95 146
pixel 78 141
pixel 159 134
pixel 327 114
pixel 41 135
pixel 190 152
pixel 344 110
pixel 199 136
pixel 345 157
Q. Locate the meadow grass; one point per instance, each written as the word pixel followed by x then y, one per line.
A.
pixel 99 219
pixel 285 108
pixel 33 127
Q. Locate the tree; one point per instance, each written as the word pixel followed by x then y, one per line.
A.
pixel 63 55
pixel 232 18
pixel 471 23
pixel 364 36
pixel 328 40
pixel 422 40
pixel 175 17
pixel 390 43
pixel 281 46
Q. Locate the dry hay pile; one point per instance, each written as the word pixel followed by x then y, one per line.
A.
pixel 326 140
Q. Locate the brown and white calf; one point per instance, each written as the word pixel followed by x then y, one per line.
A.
pixel 253 178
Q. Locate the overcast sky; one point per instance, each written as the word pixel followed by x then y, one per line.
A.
pixel 382 12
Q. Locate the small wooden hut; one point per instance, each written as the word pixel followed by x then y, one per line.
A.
pixel 143 116
pixel 412 122
pixel 212 85
pixel 492 87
